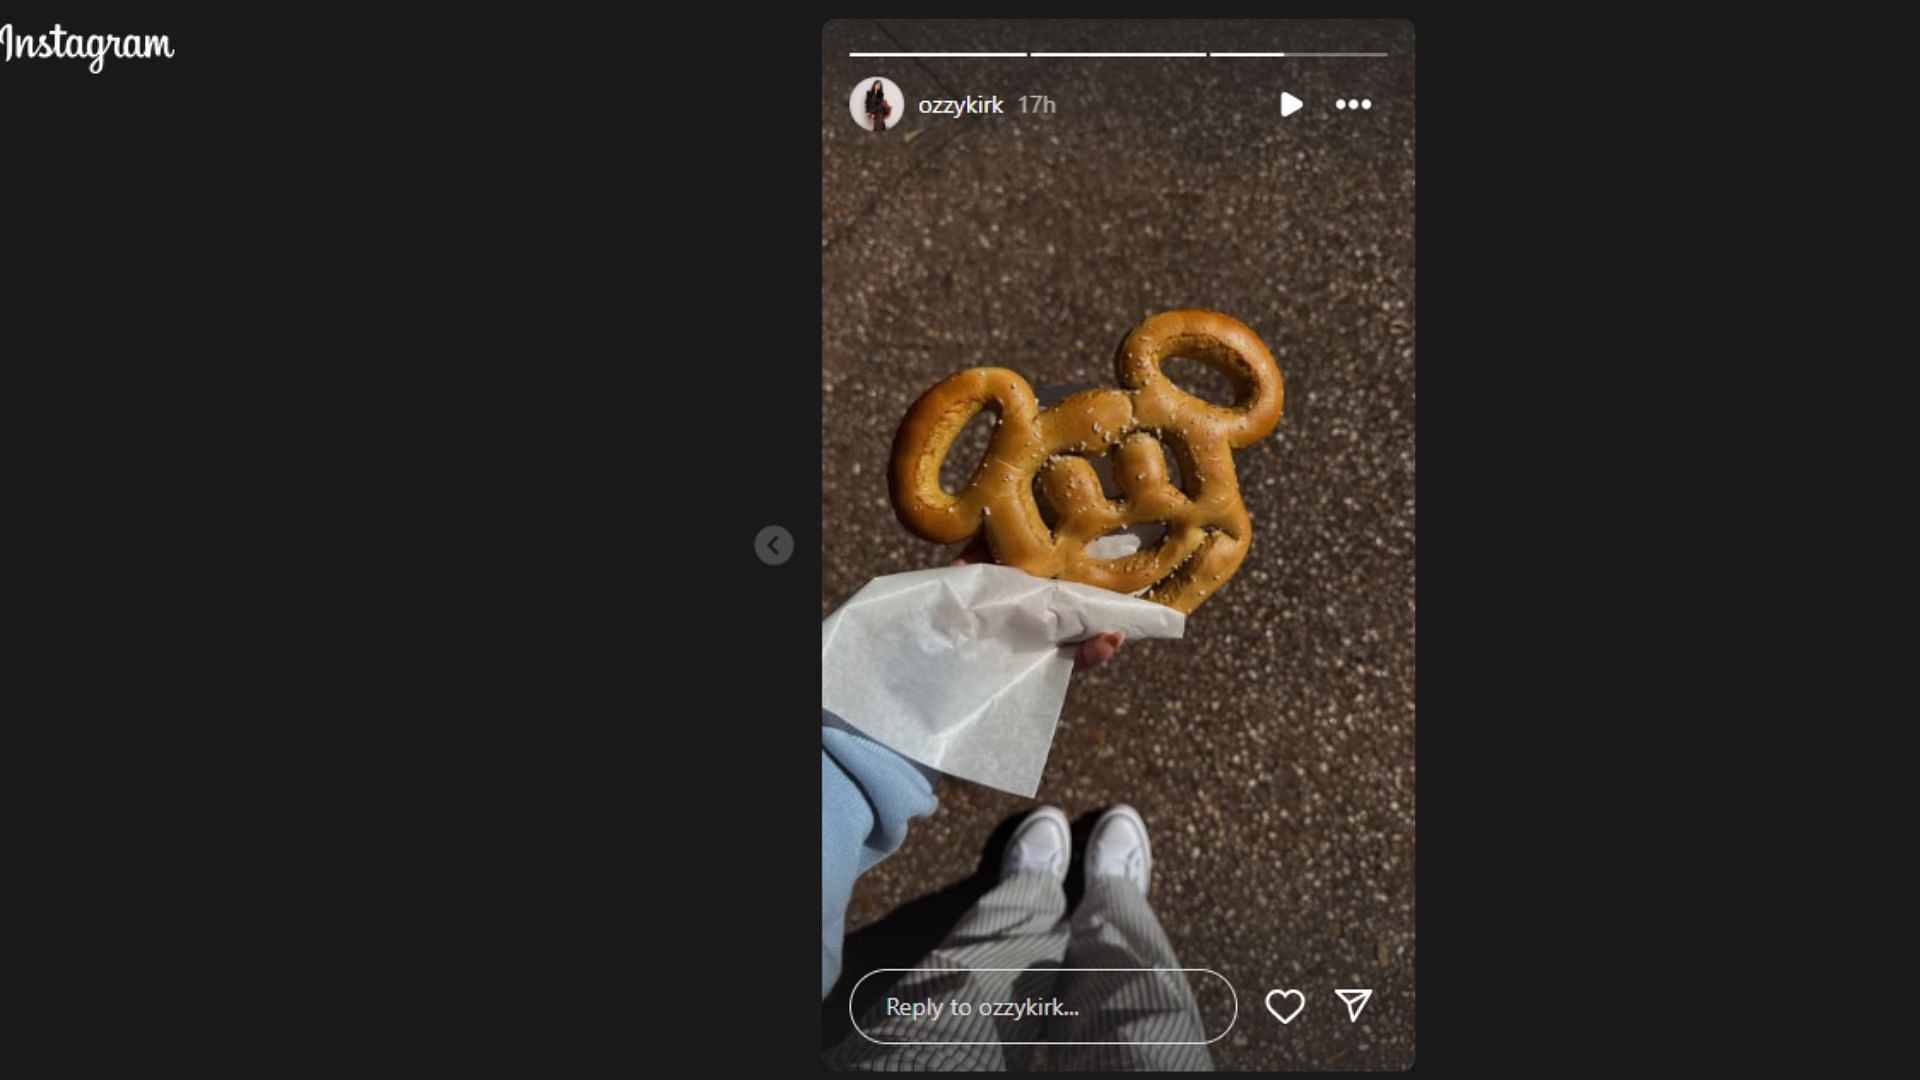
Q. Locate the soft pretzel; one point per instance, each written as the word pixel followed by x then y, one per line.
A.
pixel 1207 529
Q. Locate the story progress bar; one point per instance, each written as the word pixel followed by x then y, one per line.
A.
pixel 1045 55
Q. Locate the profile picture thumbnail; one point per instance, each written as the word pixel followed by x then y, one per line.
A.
pixel 877 103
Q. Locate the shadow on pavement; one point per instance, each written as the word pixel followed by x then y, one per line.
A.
pixel 906 935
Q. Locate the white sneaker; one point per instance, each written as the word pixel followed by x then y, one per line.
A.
pixel 1119 848
pixel 1041 844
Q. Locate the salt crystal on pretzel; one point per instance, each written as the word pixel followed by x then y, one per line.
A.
pixel 1207 529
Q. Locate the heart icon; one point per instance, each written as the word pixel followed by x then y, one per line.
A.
pixel 1286 1018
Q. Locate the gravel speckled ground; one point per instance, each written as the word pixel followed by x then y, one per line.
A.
pixel 1272 750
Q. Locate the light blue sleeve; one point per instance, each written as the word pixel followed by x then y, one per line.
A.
pixel 867 793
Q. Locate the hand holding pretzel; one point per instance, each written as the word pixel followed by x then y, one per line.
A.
pixel 1207 529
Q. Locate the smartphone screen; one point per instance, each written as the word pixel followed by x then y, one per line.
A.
pixel 1144 290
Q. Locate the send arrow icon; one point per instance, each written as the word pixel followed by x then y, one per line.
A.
pixel 1356 1000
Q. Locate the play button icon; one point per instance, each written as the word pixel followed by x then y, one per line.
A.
pixel 1289 104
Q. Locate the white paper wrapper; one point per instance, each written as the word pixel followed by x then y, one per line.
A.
pixel 962 668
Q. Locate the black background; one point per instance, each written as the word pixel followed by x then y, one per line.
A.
pixel 394 401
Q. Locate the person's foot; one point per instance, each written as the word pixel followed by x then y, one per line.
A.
pixel 1119 848
pixel 1041 844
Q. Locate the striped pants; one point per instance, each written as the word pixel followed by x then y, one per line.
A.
pixel 1019 925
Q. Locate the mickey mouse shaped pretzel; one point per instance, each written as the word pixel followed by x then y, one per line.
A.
pixel 1207 529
